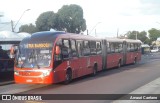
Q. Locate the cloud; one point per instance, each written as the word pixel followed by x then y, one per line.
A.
pixel 122 14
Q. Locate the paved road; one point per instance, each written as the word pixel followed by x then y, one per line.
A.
pixel 116 81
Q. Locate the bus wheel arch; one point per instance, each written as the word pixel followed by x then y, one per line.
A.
pixel 68 76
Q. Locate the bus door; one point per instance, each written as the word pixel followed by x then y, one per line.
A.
pixel 74 60
pixel 94 56
pixel 104 54
pixel 70 58
pixel 113 55
pixel 81 59
pixel 129 54
pixel 110 54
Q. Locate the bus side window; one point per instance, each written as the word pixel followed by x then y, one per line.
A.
pixel 116 45
pixel 86 49
pixel 112 47
pixel 93 47
pixel 98 47
pixel 139 47
pixel 120 46
pixel 73 48
pixel 132 47
pixel 79 47
pixel 136 47
pixel 58 56
pixel 65 49
pixel 108 48
pixel 128 47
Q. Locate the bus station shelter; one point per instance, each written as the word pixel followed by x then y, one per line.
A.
pixel 7 37
pixel 7 40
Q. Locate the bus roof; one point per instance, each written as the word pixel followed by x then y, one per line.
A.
pixel 79 36
pixel 114 39
pixel 50 36
pixel 133 41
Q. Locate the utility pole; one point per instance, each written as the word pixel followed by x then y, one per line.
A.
pixel 117 32
pixel 136 35
pixel 95 33
pixel 12 26
pixel 87 31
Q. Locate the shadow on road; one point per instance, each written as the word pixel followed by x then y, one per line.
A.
pixel 6 76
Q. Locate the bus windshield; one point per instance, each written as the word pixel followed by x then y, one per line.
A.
pixel 33 57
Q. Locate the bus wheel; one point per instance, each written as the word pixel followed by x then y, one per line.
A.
pixel 135 61
pixel 94 70
pixel 68 77
pixel 119 64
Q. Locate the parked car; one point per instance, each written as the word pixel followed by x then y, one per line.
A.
pixel 155 49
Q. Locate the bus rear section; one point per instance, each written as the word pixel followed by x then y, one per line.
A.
pixel 114 52
pixel 118 52
pixel 133 51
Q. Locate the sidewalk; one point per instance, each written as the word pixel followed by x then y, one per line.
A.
pixel 151 88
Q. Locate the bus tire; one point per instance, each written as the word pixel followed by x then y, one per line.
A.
pixel 135 61
pixel 94 70
pixel 68 76
pixel 119 64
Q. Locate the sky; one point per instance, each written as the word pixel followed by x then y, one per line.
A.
pixel 106 16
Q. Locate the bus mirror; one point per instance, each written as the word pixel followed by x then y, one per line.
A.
pixel 58 50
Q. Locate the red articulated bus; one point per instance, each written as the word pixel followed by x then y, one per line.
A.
pixel 52 57
pixel 117 52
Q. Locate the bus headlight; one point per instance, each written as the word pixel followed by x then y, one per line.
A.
pixel 46 72
pixel 16 72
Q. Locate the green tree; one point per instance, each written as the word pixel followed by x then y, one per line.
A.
pixel 131 34
pixel 140 35
pixel 28 28
pixel 154 34
pixel 70 18
pixel 148 41
pixel 45 21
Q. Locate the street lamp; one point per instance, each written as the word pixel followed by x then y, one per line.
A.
pixel 13 28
